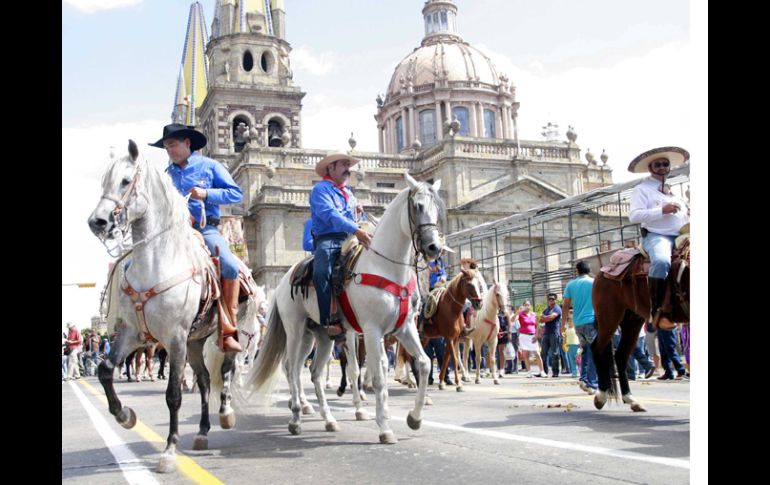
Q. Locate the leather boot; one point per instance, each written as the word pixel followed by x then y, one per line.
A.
pixel 657 296
pixel 228 327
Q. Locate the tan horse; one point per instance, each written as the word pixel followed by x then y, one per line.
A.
pixel 448 320
pixel 486 328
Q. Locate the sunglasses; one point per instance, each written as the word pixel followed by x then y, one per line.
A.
pixel 661 164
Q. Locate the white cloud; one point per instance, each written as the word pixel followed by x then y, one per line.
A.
pixel 634 105
pixel 304 59
pixel 85 156
pixel 93 6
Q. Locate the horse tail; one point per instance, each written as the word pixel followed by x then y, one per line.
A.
pixel 271 353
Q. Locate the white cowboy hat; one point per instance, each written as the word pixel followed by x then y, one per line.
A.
pixel 320 167
pixel 675 155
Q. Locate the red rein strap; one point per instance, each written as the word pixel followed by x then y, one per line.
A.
pixel 402 292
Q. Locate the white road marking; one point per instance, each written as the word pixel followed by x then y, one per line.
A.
pixel 129 464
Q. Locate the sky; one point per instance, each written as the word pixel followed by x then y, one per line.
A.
pixel 628 76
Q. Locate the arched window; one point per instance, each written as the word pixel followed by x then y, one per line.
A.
pixel 428 127
pixel 461 113
pixel 274 133
pixel 489 123
pixel 400 133
pixel 240 127
pixel 248 61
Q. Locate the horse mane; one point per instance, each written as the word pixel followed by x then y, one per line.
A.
pixel 158 183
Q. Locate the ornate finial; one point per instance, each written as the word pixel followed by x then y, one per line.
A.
pixel 454 127
pixel 590 156
pixel 551 131
pixel 604 157
pixel 571 134
pixel 360 174
pixel 270 170
pixel 417 144
pixel 380 101
pixel 352 142
pixel 285 138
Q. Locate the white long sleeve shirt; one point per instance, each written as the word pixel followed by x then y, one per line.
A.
pixel 647 208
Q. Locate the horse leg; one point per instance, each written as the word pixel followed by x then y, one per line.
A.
pixel 177 358
pixel 306 345
pixel 466 352
pixel 328 371
pixel 353 372
pixel 444 366
pixel 323 354
pixel 492 358
pixel 226 412
pixel 629 335
pixel 293 367
pixel 138 365
pixel 601 348
pixel 195 357
pixel 374 346
pixel 148 360
pixel 411 343
pixel 125 342
pixel 343 365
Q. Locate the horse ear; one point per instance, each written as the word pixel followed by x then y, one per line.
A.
pixel 411 181
pixel 437 185
pixel 133 150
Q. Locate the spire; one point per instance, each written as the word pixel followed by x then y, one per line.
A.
pixel 264 17
pixel 440 18
pixel 195 67
pixel 181 111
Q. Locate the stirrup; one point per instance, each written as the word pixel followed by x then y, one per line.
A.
pixel 335 324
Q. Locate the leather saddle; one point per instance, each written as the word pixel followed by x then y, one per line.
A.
pixel 342 272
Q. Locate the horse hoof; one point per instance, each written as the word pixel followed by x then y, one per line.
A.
pixel 465 379
pixel 332 426
pixel 497 382
pixel 478 381
pixel 411 385
pixel 388 438
pixel 362 396
pixel 308 409
pixel 362 415
pixel 167 463
pixel 638 408
pixel 413 423
pixel 428 401
pixel 340 392
pixel 227 421
pixel 598 402
pixel 441 386
pixel 201 442
pixel 460 389
pixel 328 386
pixel 126 418
pixel 368 388
pixel 295 429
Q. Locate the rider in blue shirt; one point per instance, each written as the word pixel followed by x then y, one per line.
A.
pixel 307 236
pixel 333 211
pixel 208 183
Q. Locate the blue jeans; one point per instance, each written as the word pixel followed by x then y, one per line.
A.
pixel 668 353
pixel 327 250
pixel 550 353
pixel 639 355
pixel 659 248
pixel 227 261
pixel 586 334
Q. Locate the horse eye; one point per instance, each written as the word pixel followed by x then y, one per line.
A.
pixel 125 182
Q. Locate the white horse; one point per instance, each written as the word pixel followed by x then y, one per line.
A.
pixel 161 291
pixel 486 327
pixel 382 300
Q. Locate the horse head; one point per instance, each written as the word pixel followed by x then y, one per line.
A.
pixel 119 205
pixel 501 294
pixel 469 287
pixel 422 218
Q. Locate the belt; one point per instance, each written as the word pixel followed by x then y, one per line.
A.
pixel 210 221
pixel 332 235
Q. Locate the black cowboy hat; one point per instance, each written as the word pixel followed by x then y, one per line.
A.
pixel 176 130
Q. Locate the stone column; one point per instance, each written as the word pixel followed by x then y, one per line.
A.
pixel 498 123
pixel 405 127
pixel 412 125
pixel 379 138
pixel 474 128
pixel 439 122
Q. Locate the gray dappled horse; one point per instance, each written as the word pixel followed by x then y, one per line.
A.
pixel 168 273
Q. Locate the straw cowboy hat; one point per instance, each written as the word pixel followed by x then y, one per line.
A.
pixel 175 130
pixel 675 155
pixel 320 167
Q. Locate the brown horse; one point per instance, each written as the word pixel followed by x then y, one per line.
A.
pixel 626 303
pixel 448 320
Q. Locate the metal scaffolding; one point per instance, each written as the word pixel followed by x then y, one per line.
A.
pixel 535 252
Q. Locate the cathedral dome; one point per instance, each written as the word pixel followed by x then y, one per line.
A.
pixel 444 61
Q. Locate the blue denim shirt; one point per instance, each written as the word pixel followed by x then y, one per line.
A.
pixel 208 174
pixel 330 212
pixel 307 236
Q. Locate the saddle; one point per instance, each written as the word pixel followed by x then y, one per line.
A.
pixel 342 272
